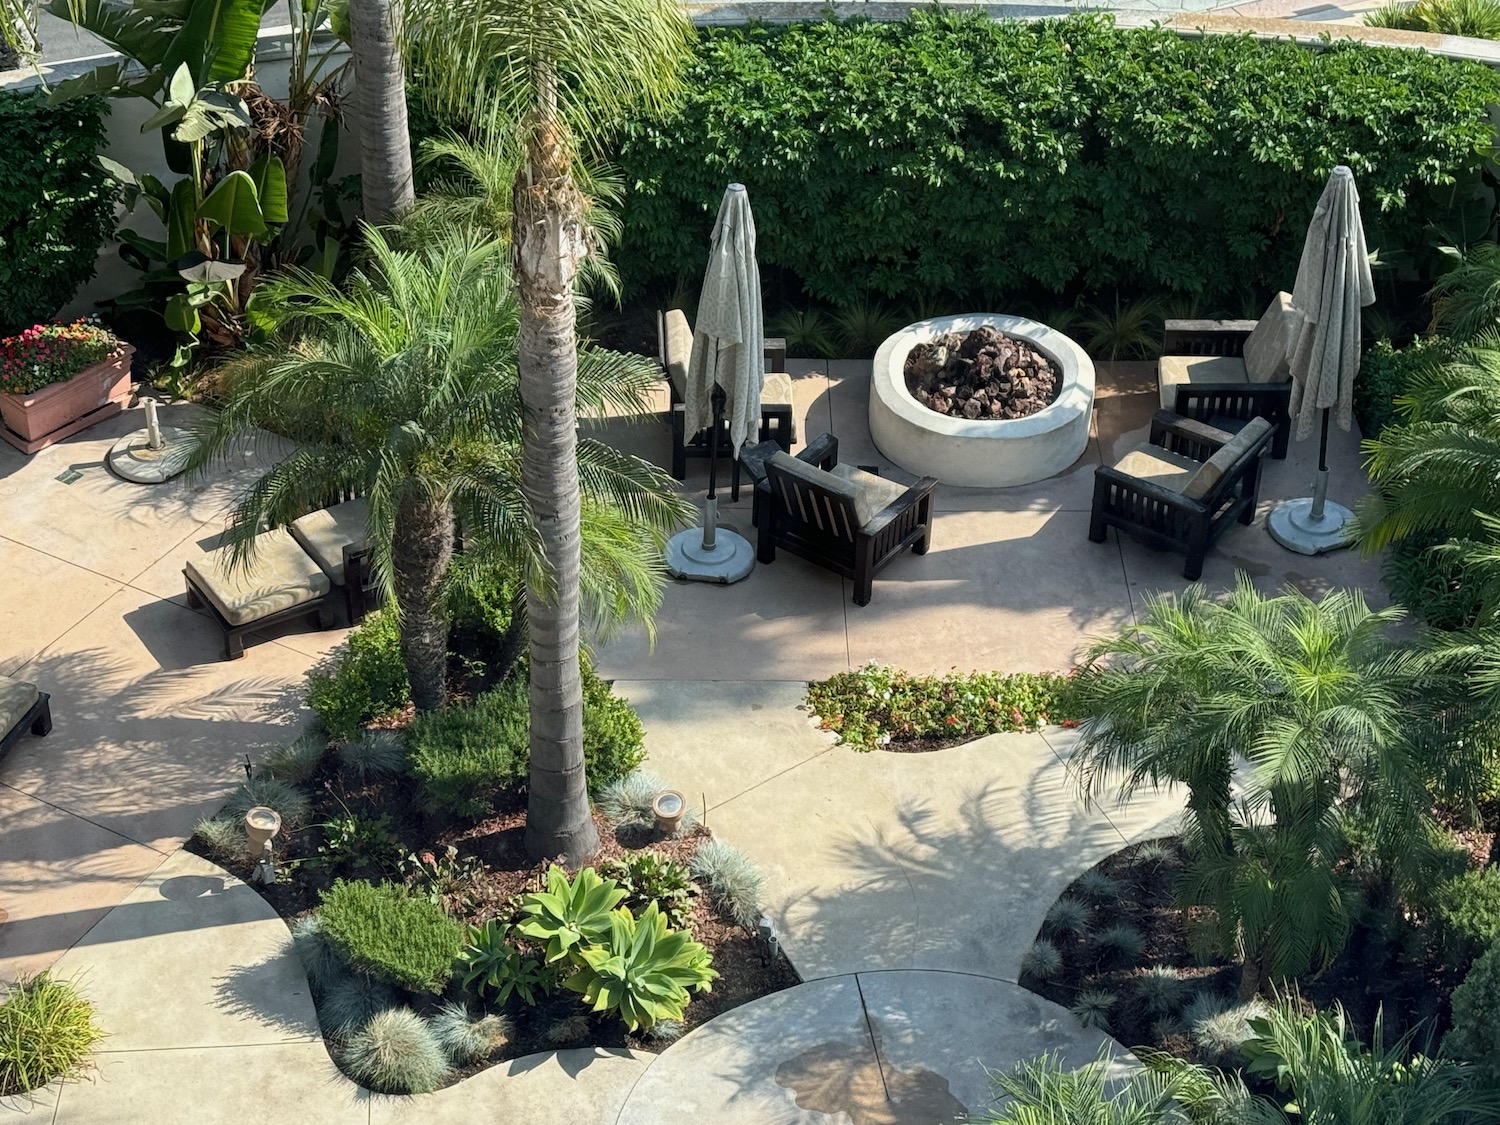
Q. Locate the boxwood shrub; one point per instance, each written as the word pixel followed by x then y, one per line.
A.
pixel 384 930
pixel 57 206
pixel 463 755
pixel 1466 909
pixel 954 154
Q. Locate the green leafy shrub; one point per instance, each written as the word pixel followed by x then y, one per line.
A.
pixel 875 706
pixel 731 878
pixel 466 1037
pixel 491 964
pixel 1475 1036
pixel 1385 374
pixel 57 204
pixel 395 1052
pixel 384 930
pixel 953 154
pixel 367 678
pixel 46 1032
pixel 463 756
pixel 360 842
pixel 1466 910
pixel 646 877
pixel 642 971
pixel 569 914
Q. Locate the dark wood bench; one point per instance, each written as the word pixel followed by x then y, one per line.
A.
pixel 23 710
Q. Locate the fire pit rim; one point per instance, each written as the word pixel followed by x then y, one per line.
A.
pixel 981 453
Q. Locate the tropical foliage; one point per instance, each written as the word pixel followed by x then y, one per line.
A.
pixel 1314 704
pixel 569 914
pixel 641 971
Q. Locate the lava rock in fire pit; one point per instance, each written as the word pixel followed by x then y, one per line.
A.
pixel 981 374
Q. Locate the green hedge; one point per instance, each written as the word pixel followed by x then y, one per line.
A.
pixel 365 680
pixel 952 154
pixel 1385 374
pixel 56 204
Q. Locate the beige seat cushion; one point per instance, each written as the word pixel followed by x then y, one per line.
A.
pixel 16 698
pixel 280 575
pixel 828 517
pixel 1174 370
pixel 1213 470
pixel 325 533
pixel 1160 466
pixel 677 349
pixel 777 389
pixel 1266 347
pixel 872 493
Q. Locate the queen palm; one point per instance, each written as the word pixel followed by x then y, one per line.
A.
pixel 402 387
pixel 1308 704
pixel 562 74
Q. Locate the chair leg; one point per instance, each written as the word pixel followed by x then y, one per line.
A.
pixel 193 600
pixel 864 570
pixel 1283 436
pixel 679 445
pixel 234 645
pixel 924 521
pixel 765 544
pixel 42 724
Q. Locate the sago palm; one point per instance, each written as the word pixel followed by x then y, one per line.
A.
pixel 563 74
pixel 402 387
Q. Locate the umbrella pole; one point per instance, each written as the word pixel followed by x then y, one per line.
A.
pixel 1313 524
pixel 708 555
pixel 1320 487
pixel 711 505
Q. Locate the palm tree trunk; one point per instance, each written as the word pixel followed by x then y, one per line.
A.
pixel 380 83
pixel 549 244
pixel 421 549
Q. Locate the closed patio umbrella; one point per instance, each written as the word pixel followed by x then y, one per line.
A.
pixel 1333 284
pixel 724 378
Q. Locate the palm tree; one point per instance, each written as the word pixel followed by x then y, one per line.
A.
pixel 380 83
pixel 1313 703
pixel 402 387
pixel 563 74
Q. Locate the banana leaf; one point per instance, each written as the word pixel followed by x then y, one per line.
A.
pixel 182 234
pixel 234 206
pixel 269 174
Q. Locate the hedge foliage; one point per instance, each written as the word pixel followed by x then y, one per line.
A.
pixel 57 205
pixel 952 154
pixel 1386 373
pixel 366 679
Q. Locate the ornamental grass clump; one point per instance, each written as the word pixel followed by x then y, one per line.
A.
pixel 46 1032
pixel 1042 961
pixel 374 754
pixel 295 761
pixel 466 1037
pixel 349 999
pixel 627 800
pixel 51 353
pixel 319 959
pixel 395 1052
pixel 1160 988
pixel 1092 1008
pixel 732 880
pixel 1118 946
pixel 1068 915
pixel 876 706
pixel 292 803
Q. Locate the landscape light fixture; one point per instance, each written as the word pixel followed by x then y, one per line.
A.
pixel 669 806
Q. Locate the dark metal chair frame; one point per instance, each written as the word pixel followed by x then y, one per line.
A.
pixel 822 527
pixel 1167 520
pixel 1208 402
pixel 37 721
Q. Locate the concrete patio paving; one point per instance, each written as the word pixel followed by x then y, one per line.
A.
pixel 905 888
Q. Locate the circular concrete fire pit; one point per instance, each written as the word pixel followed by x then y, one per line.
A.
pixel 981 453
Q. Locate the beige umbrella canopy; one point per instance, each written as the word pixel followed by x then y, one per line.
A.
pixel 1333 285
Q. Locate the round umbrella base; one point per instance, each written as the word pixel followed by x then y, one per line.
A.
pixel 728 560
pixel 133 459
pixel 1292 525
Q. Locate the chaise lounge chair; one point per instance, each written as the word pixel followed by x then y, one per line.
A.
pixel 22 708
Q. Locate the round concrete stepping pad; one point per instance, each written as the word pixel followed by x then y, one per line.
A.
pixel 882 1048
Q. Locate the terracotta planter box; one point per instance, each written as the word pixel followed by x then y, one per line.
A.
pixel 39 419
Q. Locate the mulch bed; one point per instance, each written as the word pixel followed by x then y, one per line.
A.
pixel 1391 970
pixel 747 969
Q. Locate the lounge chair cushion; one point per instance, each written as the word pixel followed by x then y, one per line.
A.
pixel 777 389
pixel 872 492
pixel 16 698
pixel 1160 466
pixel 1174 370
pixel 325 533
pixel 677 349
pixel 280 575
pixel 831 483
pixel 1266 347
pixel 1213 470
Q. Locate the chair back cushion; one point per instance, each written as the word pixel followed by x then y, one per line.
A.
pixel 1172 371
pixel 873 492
pixel 1219 465
pixel 676 348
pixel 818 499
pixel 1267 345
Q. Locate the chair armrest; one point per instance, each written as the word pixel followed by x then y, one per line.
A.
pixel 1153 491
pixel 1188 430
pixel 908 499
pixel 822 451
pixel 1205 337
